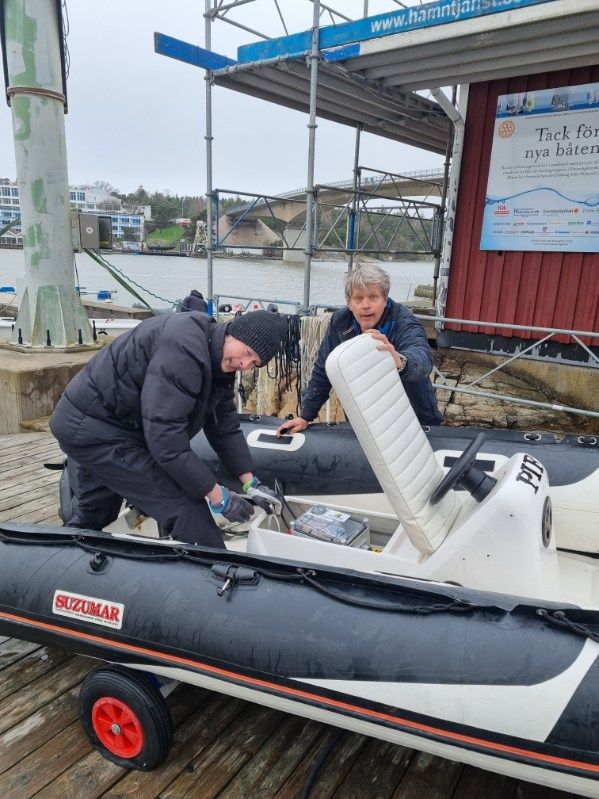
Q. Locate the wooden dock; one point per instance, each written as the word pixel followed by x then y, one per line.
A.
pixel 223 747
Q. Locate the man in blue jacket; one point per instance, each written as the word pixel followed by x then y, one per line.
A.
pixel 127 419
pixel 371 310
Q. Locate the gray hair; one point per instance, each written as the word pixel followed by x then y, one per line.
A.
pixel 366 275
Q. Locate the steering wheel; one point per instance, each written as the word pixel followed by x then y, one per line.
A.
pixel 459 472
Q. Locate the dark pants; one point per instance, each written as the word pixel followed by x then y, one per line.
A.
pixel 112 463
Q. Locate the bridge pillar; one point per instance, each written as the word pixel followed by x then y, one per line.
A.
pixel 297 238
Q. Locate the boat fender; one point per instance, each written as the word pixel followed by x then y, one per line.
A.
pixel 228 576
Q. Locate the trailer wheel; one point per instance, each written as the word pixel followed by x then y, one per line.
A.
pixel 126 718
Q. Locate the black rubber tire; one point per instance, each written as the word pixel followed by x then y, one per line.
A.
pixel 144 699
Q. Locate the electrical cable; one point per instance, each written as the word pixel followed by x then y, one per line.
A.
pixel 66 27
pixel 324 756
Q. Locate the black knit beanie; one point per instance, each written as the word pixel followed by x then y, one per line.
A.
pixel 263 331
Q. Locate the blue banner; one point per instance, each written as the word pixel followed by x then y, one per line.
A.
pixel 440 12
pixel 189 53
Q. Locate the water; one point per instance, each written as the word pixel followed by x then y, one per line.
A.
pixel 172 277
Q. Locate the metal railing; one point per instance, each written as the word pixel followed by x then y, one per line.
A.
pixel 550 333
pixel 246 303
pixel 421 174
pixel 444 385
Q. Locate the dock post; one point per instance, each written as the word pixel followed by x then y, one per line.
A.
pixel 36 92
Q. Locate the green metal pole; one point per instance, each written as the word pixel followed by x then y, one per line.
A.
pixel 50 309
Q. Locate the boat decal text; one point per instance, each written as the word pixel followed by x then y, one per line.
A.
pixel 531 472
pixel 88 608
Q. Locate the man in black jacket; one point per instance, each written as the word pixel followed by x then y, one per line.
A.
pixel 371 310
pixel 128 417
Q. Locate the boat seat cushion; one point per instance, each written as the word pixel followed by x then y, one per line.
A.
pixel 374 399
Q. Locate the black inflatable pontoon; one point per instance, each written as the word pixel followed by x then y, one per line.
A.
pixel 325 643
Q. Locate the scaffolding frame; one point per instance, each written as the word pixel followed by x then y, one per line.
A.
pixel 356 207
pixel 354 221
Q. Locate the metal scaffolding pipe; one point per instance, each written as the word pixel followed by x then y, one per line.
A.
pixel 208 138
pixel 516 400
pixel 443 213
pixel 51 313
pixel 352 222
pixel 314 57
pixel 452 194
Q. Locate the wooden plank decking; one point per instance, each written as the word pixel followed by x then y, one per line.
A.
pixel 223 747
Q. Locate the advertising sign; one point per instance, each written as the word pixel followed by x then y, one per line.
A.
pixel 427 15
pixel 543 186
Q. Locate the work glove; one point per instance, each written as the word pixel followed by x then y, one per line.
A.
pixel 262 496
pixel 234 507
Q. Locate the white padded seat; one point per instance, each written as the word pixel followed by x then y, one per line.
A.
pixel 374 399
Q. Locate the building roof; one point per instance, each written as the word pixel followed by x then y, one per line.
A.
pixel 369 73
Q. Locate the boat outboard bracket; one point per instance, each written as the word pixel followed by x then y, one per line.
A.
pixel 467 475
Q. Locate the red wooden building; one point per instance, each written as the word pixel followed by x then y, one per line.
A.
pixel 543 289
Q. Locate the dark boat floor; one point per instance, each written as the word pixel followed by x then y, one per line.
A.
pixel 223 747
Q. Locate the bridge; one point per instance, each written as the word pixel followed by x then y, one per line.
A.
pixel 290 204
pixel 409 198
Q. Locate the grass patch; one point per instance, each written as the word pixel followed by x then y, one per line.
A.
pixel 171 234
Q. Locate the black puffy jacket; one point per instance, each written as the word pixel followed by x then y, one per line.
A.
pixel 163 381
pixel 406 334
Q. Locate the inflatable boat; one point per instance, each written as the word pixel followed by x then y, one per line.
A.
pixel 326 464
pixel 465 633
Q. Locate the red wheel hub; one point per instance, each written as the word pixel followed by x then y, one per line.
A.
pixel 117 727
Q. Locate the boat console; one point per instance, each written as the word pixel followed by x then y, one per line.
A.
pixel 498 537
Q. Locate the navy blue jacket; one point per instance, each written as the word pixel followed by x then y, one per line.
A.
pixel 161 383
pixel 406 334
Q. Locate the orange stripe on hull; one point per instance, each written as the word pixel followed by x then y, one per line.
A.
pixel 309 696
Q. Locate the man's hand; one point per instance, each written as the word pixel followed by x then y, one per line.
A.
pixel 237 509
pixel 264 497
pixel 386 346
pixel 232 506
pixel 292 426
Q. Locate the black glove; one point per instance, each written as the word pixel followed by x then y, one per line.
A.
pixel 234 507
pixel 263 496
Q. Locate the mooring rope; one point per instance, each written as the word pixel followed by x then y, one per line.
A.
pixel 440 607
pixel 313 330
pixel 559 619
pixel 123 278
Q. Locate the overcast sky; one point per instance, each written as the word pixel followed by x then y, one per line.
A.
pixel 138 118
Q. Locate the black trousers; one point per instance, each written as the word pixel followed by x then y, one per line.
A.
pixel 112 464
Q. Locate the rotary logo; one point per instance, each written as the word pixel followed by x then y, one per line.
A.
pixel 507 129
